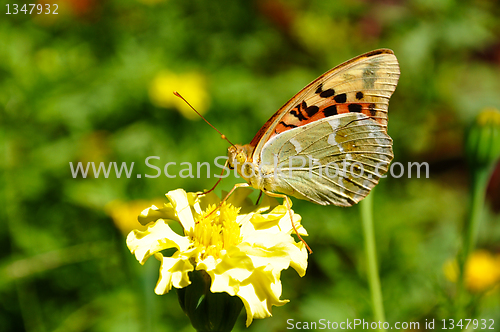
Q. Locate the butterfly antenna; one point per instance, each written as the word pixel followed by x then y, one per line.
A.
pixel 177 94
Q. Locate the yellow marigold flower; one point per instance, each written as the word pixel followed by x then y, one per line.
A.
pixel 192 86
pixel 482 271
pixel 242 248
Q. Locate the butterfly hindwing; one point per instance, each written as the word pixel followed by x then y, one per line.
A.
pixel 361 85
pixel 334 160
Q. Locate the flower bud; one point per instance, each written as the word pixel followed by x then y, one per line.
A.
pixel 482 145
pixel 208 311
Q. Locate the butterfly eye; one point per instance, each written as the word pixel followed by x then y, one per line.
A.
pixel 241 158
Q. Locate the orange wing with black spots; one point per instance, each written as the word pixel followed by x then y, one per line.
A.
pixel 363 84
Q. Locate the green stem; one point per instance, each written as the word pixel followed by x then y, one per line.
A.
pixel 471 229
pixel 371 258
pixel 480 182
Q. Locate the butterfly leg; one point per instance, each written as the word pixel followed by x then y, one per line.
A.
pixel 218 181
pixel 289 207
pixel 236 186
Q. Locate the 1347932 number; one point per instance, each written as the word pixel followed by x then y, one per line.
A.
pixel 32 8
pixel 476 324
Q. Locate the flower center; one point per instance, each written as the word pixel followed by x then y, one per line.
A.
pixel 216 230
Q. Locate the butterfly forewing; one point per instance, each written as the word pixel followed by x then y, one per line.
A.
pixel 361 85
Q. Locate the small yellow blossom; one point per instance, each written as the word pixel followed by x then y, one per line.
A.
pixel 242 248
pixel 489 116
pixel 482 271
pixel 192 86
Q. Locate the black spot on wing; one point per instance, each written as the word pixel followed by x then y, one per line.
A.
pixel 298 114
pixel 319 89
pixel 287 125
pixel 372 109
pixel 341 98
pixel 303 105
pixel 311 110
pixel 354 108
pixel 327 93
pixel 359 95
pixel 330 110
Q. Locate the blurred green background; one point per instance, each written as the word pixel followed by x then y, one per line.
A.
pixel 94 83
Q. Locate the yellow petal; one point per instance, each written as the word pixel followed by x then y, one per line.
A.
pixel 277 251
pixel 180 202
pixel 299 258
pixel 234 265
pixel 259 293
pixel 167 211
pixel 173 272
pixel 154 213
pixel 158 236
pixel 240 197
pixel 277 221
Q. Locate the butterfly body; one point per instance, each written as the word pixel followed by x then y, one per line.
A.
pixel 329 143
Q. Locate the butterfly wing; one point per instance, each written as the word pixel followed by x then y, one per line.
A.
pixel 361 85
pixel 335 160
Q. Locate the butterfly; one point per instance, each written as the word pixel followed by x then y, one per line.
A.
pixel 329 143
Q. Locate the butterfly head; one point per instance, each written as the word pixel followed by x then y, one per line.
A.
pixel 238 155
